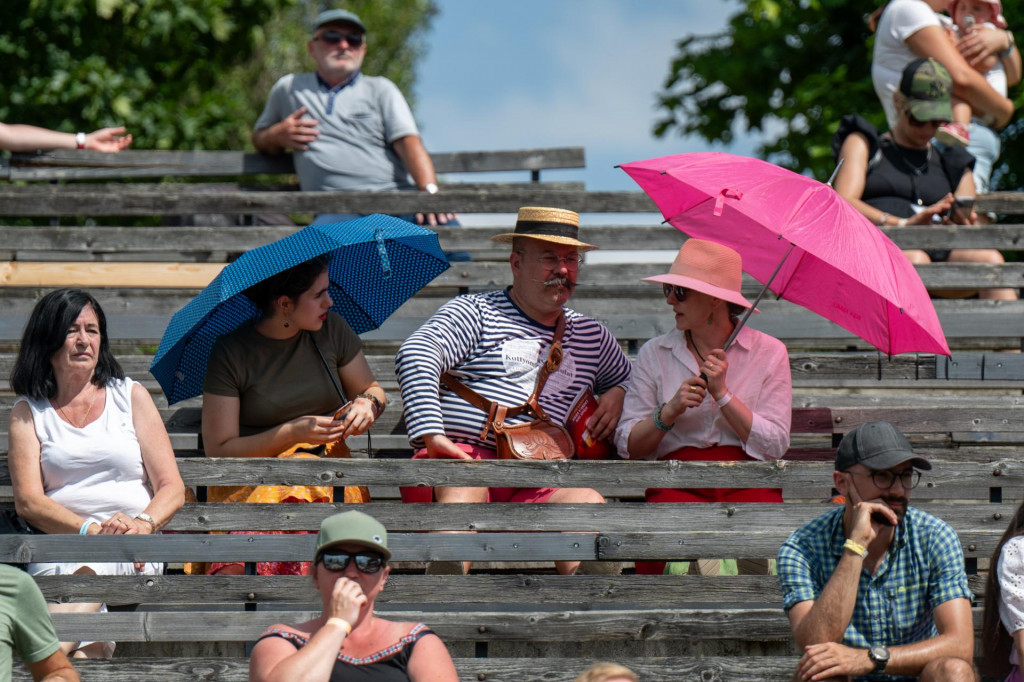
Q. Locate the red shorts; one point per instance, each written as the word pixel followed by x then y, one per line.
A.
pixel 420 494
pixel 721 453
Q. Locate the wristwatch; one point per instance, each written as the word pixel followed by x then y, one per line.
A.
pixel 879 655
pixel 430 188
pixel 1009 45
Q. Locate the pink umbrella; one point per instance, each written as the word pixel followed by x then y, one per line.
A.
pixel 804 241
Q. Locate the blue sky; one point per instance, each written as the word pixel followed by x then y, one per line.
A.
pixel 545 73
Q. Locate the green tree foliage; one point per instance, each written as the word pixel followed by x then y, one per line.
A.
pixel 789 69
pixel 181 74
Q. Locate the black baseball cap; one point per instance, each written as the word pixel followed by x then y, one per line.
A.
pixel 878 446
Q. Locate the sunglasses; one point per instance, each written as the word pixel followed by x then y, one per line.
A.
pixel 335 37
pixel 679 292
pixel 917 123
pixel 366 562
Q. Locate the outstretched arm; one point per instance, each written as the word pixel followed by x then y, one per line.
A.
pixel 25 138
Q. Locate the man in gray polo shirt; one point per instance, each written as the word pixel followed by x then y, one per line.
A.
pixel 348 131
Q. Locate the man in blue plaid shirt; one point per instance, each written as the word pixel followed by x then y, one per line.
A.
pixel 876 589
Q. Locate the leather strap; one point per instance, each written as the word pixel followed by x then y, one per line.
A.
pixel 531 406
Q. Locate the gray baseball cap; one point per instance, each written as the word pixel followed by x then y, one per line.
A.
pixel 332 15
pixel 878 446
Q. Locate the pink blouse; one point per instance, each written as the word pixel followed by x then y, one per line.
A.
pixel 758 375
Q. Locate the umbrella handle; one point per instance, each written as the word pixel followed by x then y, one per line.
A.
pixel 341 395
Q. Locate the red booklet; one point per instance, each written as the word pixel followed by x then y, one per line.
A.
pixel 582 409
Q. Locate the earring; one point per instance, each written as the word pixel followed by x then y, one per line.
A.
pixel 287 324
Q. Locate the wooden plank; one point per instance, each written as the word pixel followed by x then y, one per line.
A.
pixel 35 242
pixel 142 314
pixel 720 539
pixel 549 669
pixel 811 477
pixel 125 200
pixel 616 518
pixel 762 624
pixel 405 547
pixel 622 277
pixel 66 164
pixel 1011 203
pixel 74 274
pixel 637 591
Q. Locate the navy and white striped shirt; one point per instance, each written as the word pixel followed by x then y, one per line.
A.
pixel 490 345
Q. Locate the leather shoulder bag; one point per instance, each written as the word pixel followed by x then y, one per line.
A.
pixel 541 438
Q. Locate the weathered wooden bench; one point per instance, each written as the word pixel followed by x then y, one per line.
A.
pixel 629 618
pixel 511 619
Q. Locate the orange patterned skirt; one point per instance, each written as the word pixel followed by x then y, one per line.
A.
pixel 266 494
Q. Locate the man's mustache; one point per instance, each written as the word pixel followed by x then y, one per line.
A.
pixel 559 281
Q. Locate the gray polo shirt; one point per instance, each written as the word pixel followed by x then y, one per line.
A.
pixel 357 124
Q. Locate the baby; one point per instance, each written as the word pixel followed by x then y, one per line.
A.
pixel 966 15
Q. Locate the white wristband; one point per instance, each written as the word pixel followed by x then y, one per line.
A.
pixel 724 400
pixel 341 622
pixel 80 140
pixel 430 188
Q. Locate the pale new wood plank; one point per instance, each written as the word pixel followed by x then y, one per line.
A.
pixel 91 274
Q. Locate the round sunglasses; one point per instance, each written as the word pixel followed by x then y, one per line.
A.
pixel 680 292
pixel 366 562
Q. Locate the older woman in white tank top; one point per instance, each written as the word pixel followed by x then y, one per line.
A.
pixel 88 450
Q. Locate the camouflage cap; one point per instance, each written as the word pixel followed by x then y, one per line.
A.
pixel 928 88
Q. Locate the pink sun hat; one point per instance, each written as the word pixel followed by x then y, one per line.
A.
pixel 709 268
pixel 997 11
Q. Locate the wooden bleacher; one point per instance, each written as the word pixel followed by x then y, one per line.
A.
pixel 512 619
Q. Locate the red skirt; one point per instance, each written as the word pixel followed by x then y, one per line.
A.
pixel 719 453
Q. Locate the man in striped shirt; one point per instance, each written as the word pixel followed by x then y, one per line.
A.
pixel 495 343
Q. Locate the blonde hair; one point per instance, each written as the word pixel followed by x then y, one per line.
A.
pixel 599 672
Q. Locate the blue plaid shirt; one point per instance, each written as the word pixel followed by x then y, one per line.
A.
pixel 923 568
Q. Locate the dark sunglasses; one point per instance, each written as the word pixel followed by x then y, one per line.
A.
pixel 680 292
pixel 917 123
pixel 366 562
pixel 335 37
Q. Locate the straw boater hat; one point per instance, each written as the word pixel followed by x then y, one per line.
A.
pixel 709 268
pixel 556 225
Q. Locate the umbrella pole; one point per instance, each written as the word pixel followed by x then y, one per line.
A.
pixel 760 295
pixel 341 395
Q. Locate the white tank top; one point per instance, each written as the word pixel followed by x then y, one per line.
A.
pixel 96 470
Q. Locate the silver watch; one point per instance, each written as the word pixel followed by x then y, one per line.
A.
pixel 143 516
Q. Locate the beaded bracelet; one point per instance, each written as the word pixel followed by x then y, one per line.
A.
pixel 378 406
pixel 660 425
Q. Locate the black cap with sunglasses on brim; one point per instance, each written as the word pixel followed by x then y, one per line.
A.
pixel 352 528
pixel 878 446
pixel 928 88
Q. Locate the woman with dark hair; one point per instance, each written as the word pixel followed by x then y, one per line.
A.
pixel 88 451
pixel 1002 634
pixel 269 391
pixel 690 399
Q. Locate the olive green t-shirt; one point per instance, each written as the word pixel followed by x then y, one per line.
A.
pixel 25 626
pixel 278 380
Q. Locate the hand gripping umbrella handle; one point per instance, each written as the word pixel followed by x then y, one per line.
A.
pixel 337 387
pixel 750 310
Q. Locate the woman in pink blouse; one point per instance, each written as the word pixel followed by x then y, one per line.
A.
pixel 742 411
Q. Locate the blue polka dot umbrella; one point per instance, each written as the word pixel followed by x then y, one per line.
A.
pixel 377 262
